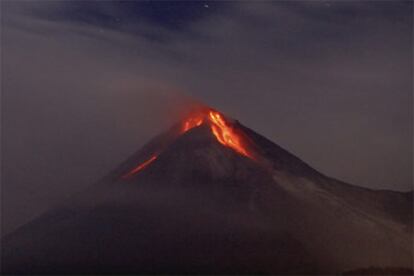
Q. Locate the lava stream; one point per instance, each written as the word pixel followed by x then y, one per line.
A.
pixel 226 135
pixel 191 123
pixel 140 167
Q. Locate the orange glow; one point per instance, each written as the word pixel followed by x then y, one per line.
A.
pixel 140 167
pixel 191 123
pixel 226 135
pixel 222 130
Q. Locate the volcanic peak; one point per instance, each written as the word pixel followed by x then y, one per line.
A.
pixel 223 129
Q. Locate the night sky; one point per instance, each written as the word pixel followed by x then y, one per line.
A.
pixel 85 84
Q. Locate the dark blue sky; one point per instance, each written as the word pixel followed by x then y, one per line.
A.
pixel 177 15
pixel 173 15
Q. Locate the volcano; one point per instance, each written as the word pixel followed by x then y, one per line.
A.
pixel 211 196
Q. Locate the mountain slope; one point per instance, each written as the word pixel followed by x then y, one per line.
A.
pixel 212 196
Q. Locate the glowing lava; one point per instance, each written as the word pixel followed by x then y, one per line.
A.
pixel 226 135
pixel 140 167
pixel 221 129
pixel 192 122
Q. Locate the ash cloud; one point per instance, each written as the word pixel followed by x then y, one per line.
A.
pixel 85 85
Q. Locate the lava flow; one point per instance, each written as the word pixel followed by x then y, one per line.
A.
pixel 192 122
pixel 226 135
pixel 221 129
pixel 140 167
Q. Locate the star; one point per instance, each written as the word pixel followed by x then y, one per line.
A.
pixel 206 6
